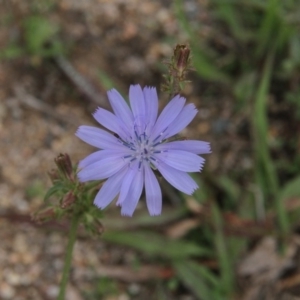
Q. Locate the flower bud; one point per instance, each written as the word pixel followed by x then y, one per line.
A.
pixel 181 58
pixel 178 66
pixel 64 165
pixel 98 227
pixel 68 200
pixel 44 215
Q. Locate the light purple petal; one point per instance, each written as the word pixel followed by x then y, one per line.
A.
pixel 197 147
pixel 137 101
pixel 131 173
pixel 110 189
pixel 120 108
pixel 167 116
pixel 92 158
pixel 109 121
pixel 181 160
pixel 98 138
pixel 180 180
pixel 138 132
pixel 184 118
pixel 153 192
pixel 99 155
pixel 102 169
pixel 151 104
pixel 134 194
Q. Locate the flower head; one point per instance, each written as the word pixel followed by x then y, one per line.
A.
pixel 137 145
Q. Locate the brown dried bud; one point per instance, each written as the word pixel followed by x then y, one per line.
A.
pixel 44 215
pixel 64 165
pixel 68 200
pixel 99 229
pixel 181 58
pixel 178 66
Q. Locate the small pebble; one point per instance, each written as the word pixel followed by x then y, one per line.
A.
pixel 12 278
pixel 6 291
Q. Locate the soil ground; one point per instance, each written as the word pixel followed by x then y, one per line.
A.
pixel 42 105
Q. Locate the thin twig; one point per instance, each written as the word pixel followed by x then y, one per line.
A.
pixel 29 100
pixel 81 82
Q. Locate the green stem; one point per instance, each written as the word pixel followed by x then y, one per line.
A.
pixel 68 257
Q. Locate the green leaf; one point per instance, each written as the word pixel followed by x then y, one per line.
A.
pixel 266 175
pixel 106 81
pixel 11 51
pixel 198 279
pixel 228 12
pixel 295 48
pixel 229 186
pixel 38 32
pixel 156 245
pixel 117 223
pixel 244 87
pixel 290 189
pixel 53 190
pixel 224 258
pixel 204 66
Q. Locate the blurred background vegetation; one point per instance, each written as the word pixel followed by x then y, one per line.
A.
pixel 245 82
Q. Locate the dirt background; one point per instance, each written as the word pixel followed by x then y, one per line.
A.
pixel 42 103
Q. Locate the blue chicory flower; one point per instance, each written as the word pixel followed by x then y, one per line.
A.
pixel 137 145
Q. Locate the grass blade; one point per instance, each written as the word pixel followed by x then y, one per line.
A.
pixel 156 245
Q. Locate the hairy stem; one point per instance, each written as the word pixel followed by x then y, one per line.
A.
pixel 68 257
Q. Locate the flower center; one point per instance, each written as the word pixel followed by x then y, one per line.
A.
pixel 143 150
